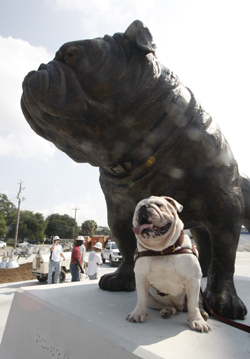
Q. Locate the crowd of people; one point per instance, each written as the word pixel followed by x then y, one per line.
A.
pixel 77 260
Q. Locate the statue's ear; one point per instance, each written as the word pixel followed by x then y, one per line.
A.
pixel 141 36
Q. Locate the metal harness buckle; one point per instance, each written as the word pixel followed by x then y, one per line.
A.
pixel 173 248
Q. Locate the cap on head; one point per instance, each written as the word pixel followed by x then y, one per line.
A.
pixel 80 238
pixel 56 238
pixel 98 245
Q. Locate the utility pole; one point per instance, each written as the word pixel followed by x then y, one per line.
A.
pixel 18 211
pixel 74 209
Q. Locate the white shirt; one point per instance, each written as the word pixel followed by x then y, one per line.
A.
pixel 83 251
pixel 94 258
pixel 56 253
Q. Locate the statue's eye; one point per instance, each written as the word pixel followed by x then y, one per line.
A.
pixel 70 53
pixel 67 56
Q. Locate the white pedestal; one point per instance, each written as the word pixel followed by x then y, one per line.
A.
pixel 79 320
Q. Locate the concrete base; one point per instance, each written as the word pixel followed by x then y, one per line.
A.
pixel 78 320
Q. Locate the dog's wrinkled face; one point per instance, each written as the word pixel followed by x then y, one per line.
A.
pixel 156 222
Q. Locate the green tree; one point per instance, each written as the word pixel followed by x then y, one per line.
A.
pixel 6 205
pixel 10 210
pixel 61 225
pixel 89 227
pixel 103 230
pixel 2 223
pixel 31 226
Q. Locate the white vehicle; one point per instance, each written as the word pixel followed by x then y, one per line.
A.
pixel 2 244
pixel 111 253
pixel 40 266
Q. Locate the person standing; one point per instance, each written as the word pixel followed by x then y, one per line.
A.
pixel 82 247
pixel 76 261
pixel 94 261
pixel 54 263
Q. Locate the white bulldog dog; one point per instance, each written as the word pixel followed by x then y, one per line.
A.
pixel 167 273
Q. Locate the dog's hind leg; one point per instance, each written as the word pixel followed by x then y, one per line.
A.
pixel 168 311
pixel 167 304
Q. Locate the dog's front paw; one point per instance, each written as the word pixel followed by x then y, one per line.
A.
pixel 137 316
pixel 199 325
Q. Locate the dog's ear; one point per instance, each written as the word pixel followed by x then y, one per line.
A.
pixel 177 205
pixel 141 36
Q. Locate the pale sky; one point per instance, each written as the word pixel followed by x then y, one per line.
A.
pixel 206 43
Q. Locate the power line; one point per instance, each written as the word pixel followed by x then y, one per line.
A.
pixel 74 209
pixel 18 211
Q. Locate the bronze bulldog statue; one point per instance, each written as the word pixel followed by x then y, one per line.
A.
pixel 111 103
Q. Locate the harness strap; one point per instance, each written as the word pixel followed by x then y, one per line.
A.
pixel 167 251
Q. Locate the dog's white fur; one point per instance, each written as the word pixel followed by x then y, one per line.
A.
pixel 178 275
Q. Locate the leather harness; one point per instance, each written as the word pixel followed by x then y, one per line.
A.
pixel 167 251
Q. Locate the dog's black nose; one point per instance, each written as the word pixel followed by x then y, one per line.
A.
pixel 143 214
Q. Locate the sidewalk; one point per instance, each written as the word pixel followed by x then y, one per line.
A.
pixel 7 290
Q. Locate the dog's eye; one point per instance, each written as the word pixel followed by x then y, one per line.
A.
pixel 159 205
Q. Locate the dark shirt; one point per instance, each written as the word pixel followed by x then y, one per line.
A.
pixel 76 253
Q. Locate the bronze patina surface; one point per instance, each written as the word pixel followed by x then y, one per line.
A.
pixel 111 103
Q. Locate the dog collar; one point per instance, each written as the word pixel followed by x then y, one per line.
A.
pixel 128 171
pixel 167 251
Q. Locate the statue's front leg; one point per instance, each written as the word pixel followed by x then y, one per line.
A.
pixel 220 291
pixel 120 213
pixel 123 278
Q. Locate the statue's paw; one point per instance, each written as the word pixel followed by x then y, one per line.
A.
pixel 226 303
pixel 117 282
pixel 204 314
pixel 137 316
pixel 199 325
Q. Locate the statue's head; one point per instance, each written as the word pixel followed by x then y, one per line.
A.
pixel 89 97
